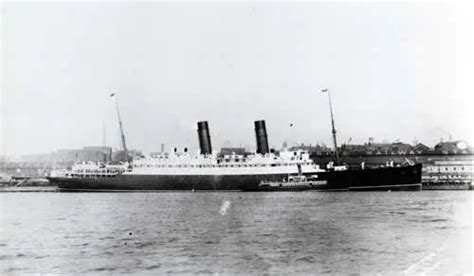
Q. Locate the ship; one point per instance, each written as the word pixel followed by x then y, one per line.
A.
pixel 208 171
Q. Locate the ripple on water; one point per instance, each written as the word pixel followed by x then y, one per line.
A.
pixel 108 253
pixel 398 213
pixel 102 269
pixel 14 269
pixel 437 220
pixel 425 220
pixel 141 245
pixel 106 238
pixel 153 267
pixel 306 259
pixel 173 239
pixel 211 242
pixel 267 232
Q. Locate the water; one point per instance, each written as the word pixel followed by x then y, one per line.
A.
pixel 306 232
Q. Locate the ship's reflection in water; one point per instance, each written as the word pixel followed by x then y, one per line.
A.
pixel 307 232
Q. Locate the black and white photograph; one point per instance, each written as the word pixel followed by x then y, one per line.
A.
pixel 236 137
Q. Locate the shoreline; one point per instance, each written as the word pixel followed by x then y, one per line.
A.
pixel 29 189
pixel 54 189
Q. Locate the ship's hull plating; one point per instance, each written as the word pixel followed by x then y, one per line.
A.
pixel 397 178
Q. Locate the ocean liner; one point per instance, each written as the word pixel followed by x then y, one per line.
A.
pixel 209 171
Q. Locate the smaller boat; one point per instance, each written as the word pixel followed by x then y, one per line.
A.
pixel 292 183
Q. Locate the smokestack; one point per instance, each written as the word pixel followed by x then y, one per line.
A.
pixel 204 138
pixel 261 135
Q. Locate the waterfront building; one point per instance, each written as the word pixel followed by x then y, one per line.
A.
pixel 95 154
pixel 119 155
pixel 319 150
pixel 91 153
pixel 451 173
pixel 453 147
pixel 421 148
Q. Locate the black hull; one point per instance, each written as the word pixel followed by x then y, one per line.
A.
pixel 383 179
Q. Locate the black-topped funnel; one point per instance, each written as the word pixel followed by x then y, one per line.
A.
pixel 204 138
pixel 261 135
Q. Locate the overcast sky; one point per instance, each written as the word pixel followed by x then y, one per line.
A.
pixel 395 71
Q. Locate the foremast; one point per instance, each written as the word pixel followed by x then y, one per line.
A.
pixel 122 135
pixel 326 90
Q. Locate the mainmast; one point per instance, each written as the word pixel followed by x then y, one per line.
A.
pixel 325 90
pixel 124 146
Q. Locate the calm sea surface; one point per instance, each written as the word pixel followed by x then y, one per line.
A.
pixel 305 232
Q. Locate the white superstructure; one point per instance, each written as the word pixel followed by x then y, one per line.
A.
pixel 183 164
pixel 287 162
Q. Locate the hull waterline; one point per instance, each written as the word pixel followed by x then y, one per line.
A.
pixel 381 179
